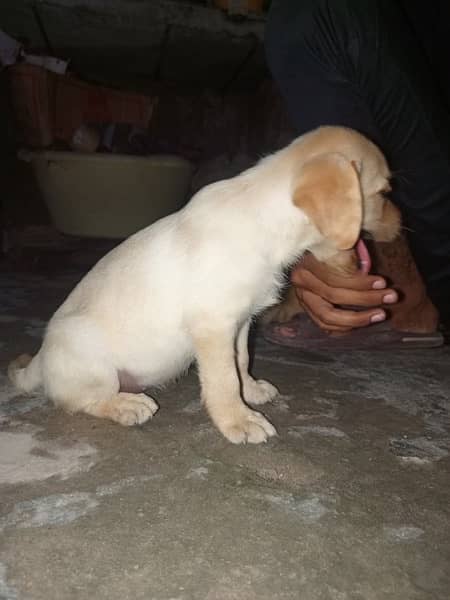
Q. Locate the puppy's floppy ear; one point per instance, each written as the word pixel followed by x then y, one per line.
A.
pixel 329 192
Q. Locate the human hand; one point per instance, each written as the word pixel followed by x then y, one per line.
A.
pixel 323 293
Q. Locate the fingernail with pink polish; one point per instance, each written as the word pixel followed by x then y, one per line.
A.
pixel 377 318
pixel 379 284
pixel 390 298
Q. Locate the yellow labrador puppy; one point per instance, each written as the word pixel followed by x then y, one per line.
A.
pixel 187 287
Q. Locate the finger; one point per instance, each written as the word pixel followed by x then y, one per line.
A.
pixel 358 281
pixel 331 316
pixel 324 326
pixel 310 312
pixel 354 297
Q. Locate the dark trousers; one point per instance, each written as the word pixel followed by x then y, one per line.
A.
pixel 368 65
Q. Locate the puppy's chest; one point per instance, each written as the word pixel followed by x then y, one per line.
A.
pixel 267 292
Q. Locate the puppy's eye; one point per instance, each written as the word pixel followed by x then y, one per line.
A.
pixel 387 189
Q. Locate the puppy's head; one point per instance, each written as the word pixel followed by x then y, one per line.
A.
pixel 343 194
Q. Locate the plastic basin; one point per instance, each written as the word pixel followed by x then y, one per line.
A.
pixel 109 195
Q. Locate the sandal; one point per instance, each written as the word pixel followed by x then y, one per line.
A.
pixel 302 333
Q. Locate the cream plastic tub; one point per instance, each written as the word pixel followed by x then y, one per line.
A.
pixel 109 195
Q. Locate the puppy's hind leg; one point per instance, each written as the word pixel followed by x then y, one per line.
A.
pixel 124 408
pixel 80 382
pixel 254 391
pixel 104 400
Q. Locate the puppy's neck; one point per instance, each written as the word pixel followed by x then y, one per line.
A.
pixel 284 232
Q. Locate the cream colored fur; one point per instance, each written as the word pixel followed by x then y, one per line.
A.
pixel 187 287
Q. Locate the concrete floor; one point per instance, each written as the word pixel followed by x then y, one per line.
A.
pixel 350 502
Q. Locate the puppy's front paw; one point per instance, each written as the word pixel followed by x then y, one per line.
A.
pixel 259 391
pixel 250 426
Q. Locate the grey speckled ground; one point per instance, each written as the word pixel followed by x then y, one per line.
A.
pixel 350 502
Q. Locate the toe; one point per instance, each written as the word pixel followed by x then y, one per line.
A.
pixel 253 428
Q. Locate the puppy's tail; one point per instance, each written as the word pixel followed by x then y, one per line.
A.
pixel 25 372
